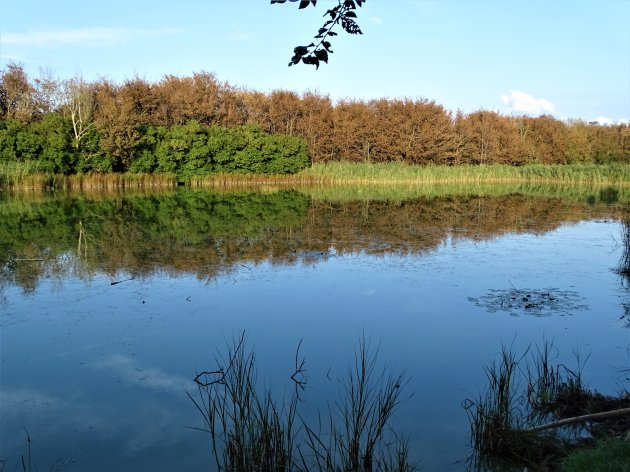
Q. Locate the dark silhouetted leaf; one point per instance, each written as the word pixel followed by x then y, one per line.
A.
pixel 322 55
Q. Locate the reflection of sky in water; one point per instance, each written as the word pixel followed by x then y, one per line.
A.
pixel 97 373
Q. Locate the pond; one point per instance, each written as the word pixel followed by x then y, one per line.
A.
pixel 111 303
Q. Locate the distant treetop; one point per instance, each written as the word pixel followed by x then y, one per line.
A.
pixel 343 14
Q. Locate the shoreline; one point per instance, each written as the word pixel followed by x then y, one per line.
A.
pixel 337 173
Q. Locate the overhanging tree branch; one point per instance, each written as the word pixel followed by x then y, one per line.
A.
pixel 343 14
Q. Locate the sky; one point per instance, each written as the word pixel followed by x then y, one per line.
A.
pixel 566 58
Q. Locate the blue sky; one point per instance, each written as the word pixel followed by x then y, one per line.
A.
pixel 568 58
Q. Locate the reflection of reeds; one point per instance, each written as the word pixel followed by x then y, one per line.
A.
pixel 250 430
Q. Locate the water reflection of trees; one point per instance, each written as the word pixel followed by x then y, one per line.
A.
pixel 208 234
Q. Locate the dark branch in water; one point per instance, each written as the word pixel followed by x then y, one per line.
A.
pixel 582 419
pixel 121 281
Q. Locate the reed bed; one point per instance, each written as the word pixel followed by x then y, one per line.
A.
pixel 27 175
pixel 340 172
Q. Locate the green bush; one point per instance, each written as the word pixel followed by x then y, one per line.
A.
pixel 186 150
pixel 192 149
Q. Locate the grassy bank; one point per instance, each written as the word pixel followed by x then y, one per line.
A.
pixel 340 172
pixel 27 176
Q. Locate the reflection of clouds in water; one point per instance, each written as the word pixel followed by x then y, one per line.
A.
pixel 152 377
pixel 152 425
pixel 61 421
pixel 20 402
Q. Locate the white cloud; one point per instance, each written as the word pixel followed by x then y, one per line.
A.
pixel 376 20
pixel 605 121
pixel 602 120
pixel 521 102
pixel 82 36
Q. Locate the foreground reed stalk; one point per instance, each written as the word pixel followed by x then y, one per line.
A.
pixel 251 431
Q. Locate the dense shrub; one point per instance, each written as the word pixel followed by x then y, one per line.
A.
pixel 186 150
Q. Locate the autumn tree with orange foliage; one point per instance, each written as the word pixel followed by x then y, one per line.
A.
pixel 126 119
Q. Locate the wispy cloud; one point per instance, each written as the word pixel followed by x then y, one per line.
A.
pixel 377 20
pixel 238 36
pixel 152 377
pixel 19 402
pixel 83 36
pixel 521 102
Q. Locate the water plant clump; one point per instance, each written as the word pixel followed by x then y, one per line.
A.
pixel 537 302
pixel 535 412
pixel 499 418
pixel 252 430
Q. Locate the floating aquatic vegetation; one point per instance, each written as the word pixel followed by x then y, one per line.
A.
pixel 537 302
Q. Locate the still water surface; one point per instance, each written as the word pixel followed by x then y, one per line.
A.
pixel 97 371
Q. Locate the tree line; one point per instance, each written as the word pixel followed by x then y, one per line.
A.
pixel 198 124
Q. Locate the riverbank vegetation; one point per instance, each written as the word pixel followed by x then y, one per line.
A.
pixel 25 176
pixel 538 413
pixel 197 126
